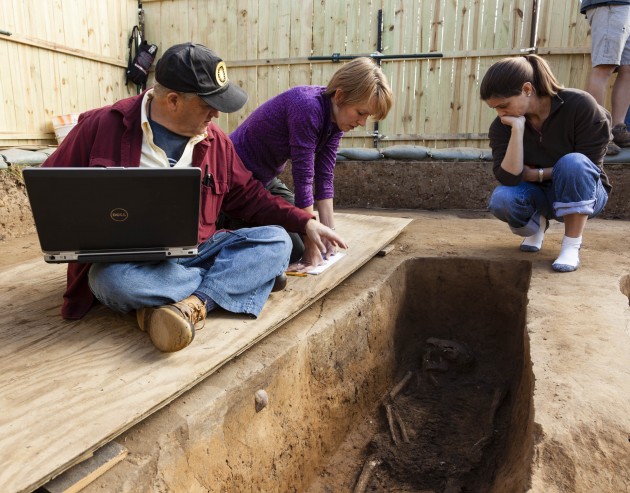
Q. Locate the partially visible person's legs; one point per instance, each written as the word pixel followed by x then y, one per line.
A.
pixel 610 52
pixel 242 266
pixel 598 82
pixel 575 194
pixel 526 208
pixel 579 195
pixel 235 270
pixel 277 187
pixel 128 286
pixel 578 188
pixel 621 101
pixel 621 95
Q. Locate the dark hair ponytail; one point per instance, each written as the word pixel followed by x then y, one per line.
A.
pixel 506 77
pixel 545 82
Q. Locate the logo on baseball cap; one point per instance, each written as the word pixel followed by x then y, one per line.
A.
pixel 193 68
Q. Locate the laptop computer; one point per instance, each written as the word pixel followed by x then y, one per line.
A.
pixel 114 214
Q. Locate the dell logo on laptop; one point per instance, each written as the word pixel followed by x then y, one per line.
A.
pixel 119 215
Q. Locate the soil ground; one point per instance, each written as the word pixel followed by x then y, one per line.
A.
pixel 15 213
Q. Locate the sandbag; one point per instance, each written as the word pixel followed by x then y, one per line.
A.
pixel 416 153
pixel 359 154
pixel 457 154
pixel 486 155
pixel 47 150
pixel 623 157
pixel 22 156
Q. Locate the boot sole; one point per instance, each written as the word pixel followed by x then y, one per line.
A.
pixel 143 317
pixel 168 331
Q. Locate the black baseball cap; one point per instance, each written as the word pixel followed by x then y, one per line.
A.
pixel 193 68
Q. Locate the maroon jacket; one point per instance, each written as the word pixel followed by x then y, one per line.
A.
pixel 112 136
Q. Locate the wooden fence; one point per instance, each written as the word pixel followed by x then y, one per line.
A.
pixel 59 57
pixel 78 57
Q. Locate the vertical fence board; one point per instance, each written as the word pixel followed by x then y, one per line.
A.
pixel 393 14
pixel 451 40
pixel 13 17
pixel 362 27
pixel 181 17
pixel 410 45
pixel 194 20
pixel 581 32
pixel 301 42
pixel 488 26
pixel 247 42
pixel 324 41
pixel 436 110
pixel 283 48
pixel 7 94
pixel 267 42
pixel 62 62
pixel 217 36
pixel 16 59
pixel 8 89
pixel 200 33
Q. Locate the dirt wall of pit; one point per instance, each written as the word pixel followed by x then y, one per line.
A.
pixel 439 185
pixel 324 372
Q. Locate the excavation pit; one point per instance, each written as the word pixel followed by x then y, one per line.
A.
pixel 468 414
pixel 456 411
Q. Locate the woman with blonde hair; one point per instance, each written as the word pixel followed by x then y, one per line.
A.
pixel 548 145
pixel 305 124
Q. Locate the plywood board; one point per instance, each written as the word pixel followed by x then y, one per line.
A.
pixel 67 388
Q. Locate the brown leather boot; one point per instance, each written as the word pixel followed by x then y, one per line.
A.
pixel 172 327
pixel 621 136
pixel 279 283
pixel 612 149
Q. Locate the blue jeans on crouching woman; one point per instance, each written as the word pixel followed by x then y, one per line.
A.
pixel 575 188
pixel 237 269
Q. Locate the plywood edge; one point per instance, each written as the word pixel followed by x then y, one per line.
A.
pixel 79 476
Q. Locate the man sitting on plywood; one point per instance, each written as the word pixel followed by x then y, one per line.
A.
pixel 170 125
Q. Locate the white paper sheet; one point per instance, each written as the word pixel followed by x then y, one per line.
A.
pixel 327 263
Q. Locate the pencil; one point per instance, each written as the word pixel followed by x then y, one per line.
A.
pixel 296 274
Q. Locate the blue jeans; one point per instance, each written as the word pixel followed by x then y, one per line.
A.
pixel 236 269
pixel 575 188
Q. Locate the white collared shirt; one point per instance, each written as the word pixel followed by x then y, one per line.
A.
pixel 154 157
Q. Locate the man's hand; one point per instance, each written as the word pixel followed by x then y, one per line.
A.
pixel 318 234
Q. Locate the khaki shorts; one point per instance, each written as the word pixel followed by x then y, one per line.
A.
pixel 610 33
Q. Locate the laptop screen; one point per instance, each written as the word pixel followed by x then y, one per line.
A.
pixel 94 210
